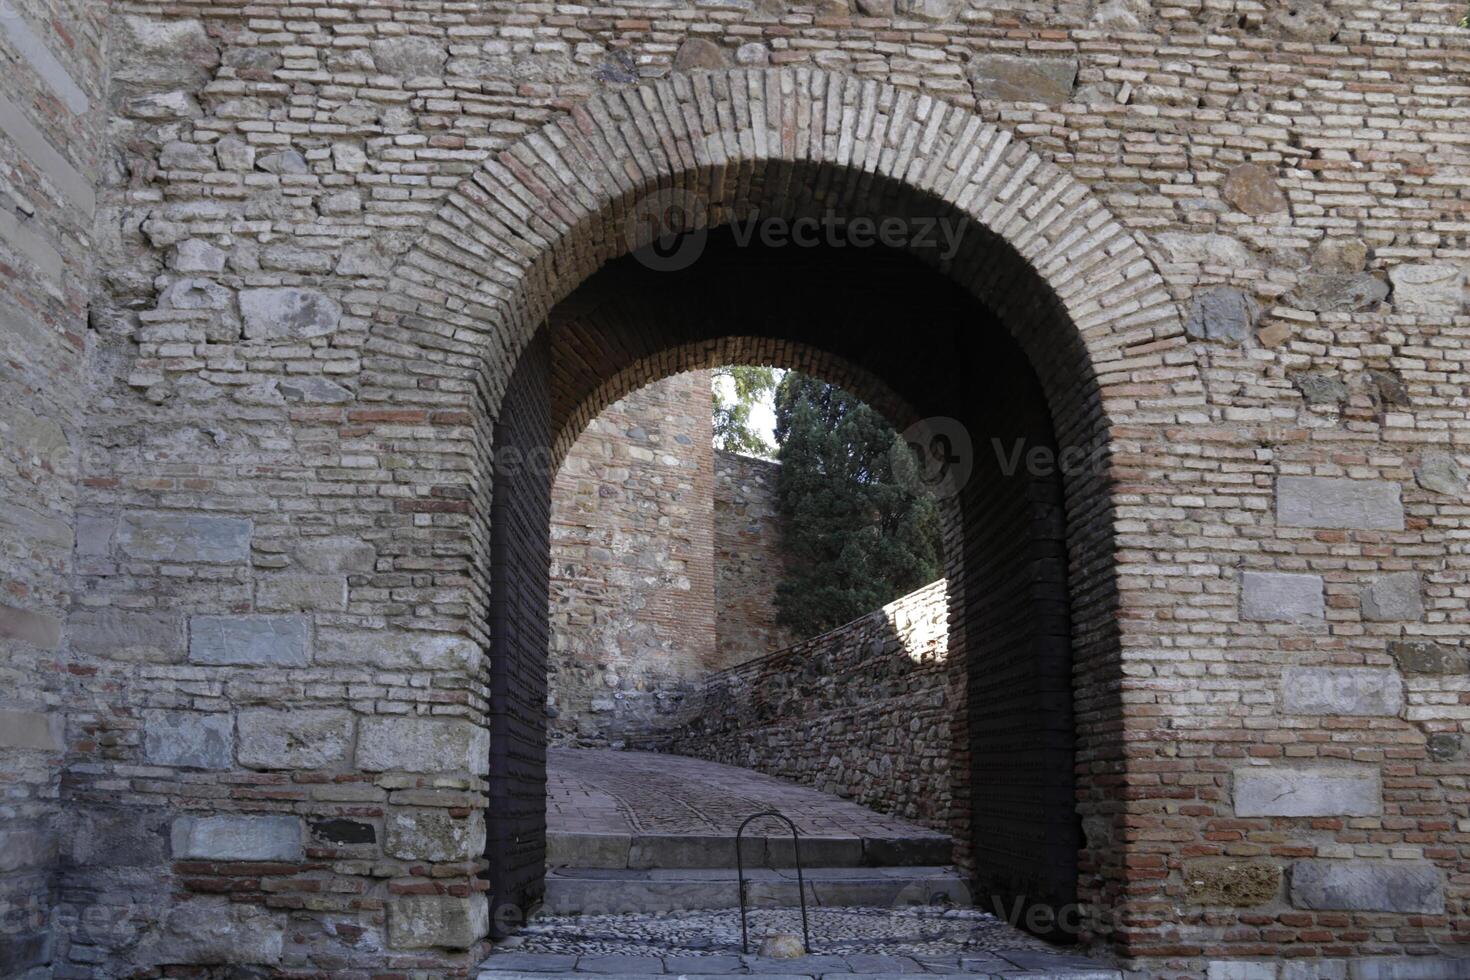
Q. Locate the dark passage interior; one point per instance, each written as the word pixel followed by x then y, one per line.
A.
pixel 913 344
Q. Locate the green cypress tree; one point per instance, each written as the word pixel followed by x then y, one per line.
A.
pixel 860 530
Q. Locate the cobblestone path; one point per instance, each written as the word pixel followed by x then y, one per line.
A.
pixel 606 791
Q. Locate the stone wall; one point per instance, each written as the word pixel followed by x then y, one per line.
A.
pixel 633 563
pixel 53 117
pixel 748 559
pixel 863 711
pixel 1226 237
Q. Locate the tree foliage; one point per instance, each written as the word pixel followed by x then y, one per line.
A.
pixel 860 530
pixel 748 385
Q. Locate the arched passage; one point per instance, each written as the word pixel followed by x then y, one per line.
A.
pixel 1077 326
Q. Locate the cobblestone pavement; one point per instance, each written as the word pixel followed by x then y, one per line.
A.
pixel 871 941
pixel 606 791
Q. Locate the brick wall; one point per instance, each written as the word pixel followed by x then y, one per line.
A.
pixel 748 559
pixel 1228 246
pixel 863 711
pixel 53 113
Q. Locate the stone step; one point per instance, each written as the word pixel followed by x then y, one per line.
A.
pixel 645 851
pixel 1001 964
pixel 612 891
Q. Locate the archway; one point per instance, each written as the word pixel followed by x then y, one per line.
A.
pixel 1086 314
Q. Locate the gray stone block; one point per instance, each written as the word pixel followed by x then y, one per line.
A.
pixel 39 730
pixel 38 629
pixel 239 837
pixel 335 554
pixel 162 536
pixel 214 931
pixel 1280 597
pixel 141 635
pixel 1222 314
pixel 1341 691
pixel 30 46
pixel 296 738
pixel 409 56
pixel 1402 968
pixel 500 962
pixel 1373 886
pixel 288 313
pixel 1428 657
pixel 279 641
pixel 579 850
pixel 1394 598
pixel 423 921
pixel 412 744
pixel 1015 78
pixel 430 834
pixel 614 963
pixel 118 837
pixel 1338 502
pixel 1288 791
pixel 1348 293
pixel 1441 473
pixel 189 739
pixel 292 592
pixel 1434 289
pixel 395 651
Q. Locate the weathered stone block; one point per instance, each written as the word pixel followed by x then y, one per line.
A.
pixel 414 744
pixel 1393 599
pixel 279 641
pixel 409 57
pixel 1253 189
pixel 1014 78
pixel 431 834
pixel 422 921
pixel 162 536
pixel 1205 249
pixel 291 592
pixel 1441 473
pixel 1428 657
pixel 37 629
pixel 144 635
pixel 26 845
pixel 1432 288
pixel 335 554
pixel 1445 747
pixel 1279 597
pixel 699 54
pixel 396 651
pixel 204 931
pixel 1241 884
pixel 239 837
pixel 1288 791
pixel 1370 886
pixel 1336 502
pixel 118 837
pixel 39 730
pixel 288 313
pixel 1339 293
pixel 1341 691
pixel 1220 313
pixel 189 739
pixel 195 255
pixel 296 738
pixel 314 391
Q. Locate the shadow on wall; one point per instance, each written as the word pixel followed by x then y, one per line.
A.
pixel 862 711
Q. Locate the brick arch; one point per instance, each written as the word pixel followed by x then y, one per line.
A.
pixel 460 321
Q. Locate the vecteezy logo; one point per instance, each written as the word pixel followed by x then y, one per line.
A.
pixel 667 230
pixel 938 454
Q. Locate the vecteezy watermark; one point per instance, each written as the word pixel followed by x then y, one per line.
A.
pixel 667 230
pixel 937 454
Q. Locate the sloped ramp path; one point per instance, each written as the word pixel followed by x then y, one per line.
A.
pixel 641 883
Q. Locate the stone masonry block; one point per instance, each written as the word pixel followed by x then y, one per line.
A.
pixel 290 592
pixel 1234 883
pixel 1371 886
pixel 1335 502
pixel 1341 691
pixel 422 921
pixel 37 629
pixel 1279 597
pixel 1013 78
pixel 238 837
pixel 39 730
pixel 433 834
pixel 145 635
pixel 287 312
pixel 413 744
pixel 279 641
pixel 1287 791
pixel 188 738
pixel 395 651
pixel 294 738
pixel 1428 657
pixel 160 536
pixel 1430 288
pixel 1394 598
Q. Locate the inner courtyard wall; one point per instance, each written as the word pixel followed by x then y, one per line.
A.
pixel 269 680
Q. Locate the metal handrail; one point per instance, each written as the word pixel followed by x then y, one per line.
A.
pixel 806 939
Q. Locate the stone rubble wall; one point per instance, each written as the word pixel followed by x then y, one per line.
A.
pixel 270 679
pixel 863 711
pixel 633 576
pixel 748 559
pixel 53 121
